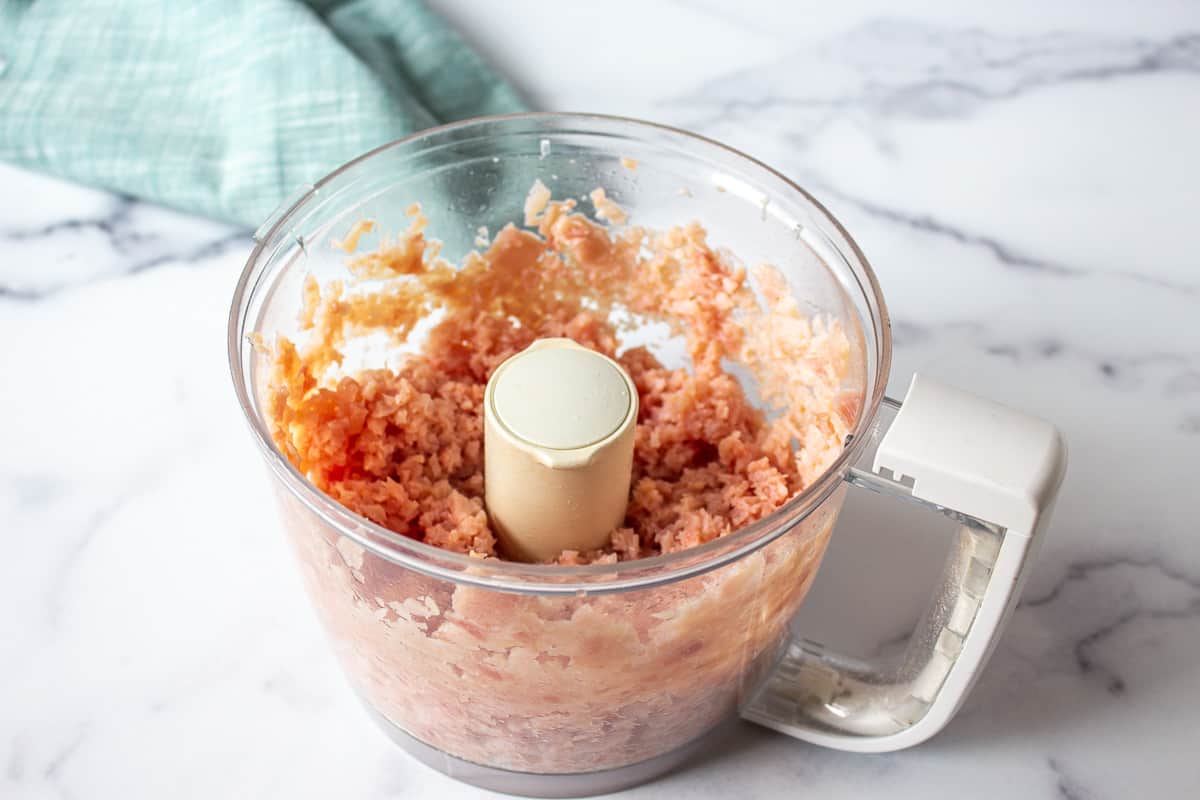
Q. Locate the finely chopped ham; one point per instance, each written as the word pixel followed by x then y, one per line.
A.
pixel 404 447
pixel 540 682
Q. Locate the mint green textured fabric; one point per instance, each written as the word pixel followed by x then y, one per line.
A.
pixel 223 107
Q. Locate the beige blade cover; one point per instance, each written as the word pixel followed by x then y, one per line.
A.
pixel 559 425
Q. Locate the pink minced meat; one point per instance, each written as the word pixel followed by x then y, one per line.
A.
pixel 404 447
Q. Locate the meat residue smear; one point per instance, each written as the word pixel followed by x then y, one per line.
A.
pixel 403 447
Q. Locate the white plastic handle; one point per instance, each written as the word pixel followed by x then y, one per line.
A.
pixel 996 472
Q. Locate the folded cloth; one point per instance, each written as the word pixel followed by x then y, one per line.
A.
pixel 224 107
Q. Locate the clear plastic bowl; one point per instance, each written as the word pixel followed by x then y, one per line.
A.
pixel 556 680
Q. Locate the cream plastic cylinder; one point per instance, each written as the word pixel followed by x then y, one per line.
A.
pixel 559 425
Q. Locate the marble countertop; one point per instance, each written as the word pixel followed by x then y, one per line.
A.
pixel 1023 178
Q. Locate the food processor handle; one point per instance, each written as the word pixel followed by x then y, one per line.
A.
pixel 995 472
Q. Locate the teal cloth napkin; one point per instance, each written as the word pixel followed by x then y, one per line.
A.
pixel 223 107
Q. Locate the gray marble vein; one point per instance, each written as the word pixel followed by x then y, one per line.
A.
pixel 907 68
pixel 1068 787
pixel 997 249
pixel 127 238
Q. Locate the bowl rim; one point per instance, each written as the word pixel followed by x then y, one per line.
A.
pixel 519 577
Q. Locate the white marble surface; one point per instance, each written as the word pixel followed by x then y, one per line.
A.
pixel 1023 177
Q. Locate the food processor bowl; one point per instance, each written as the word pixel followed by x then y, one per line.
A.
pixel 568 680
